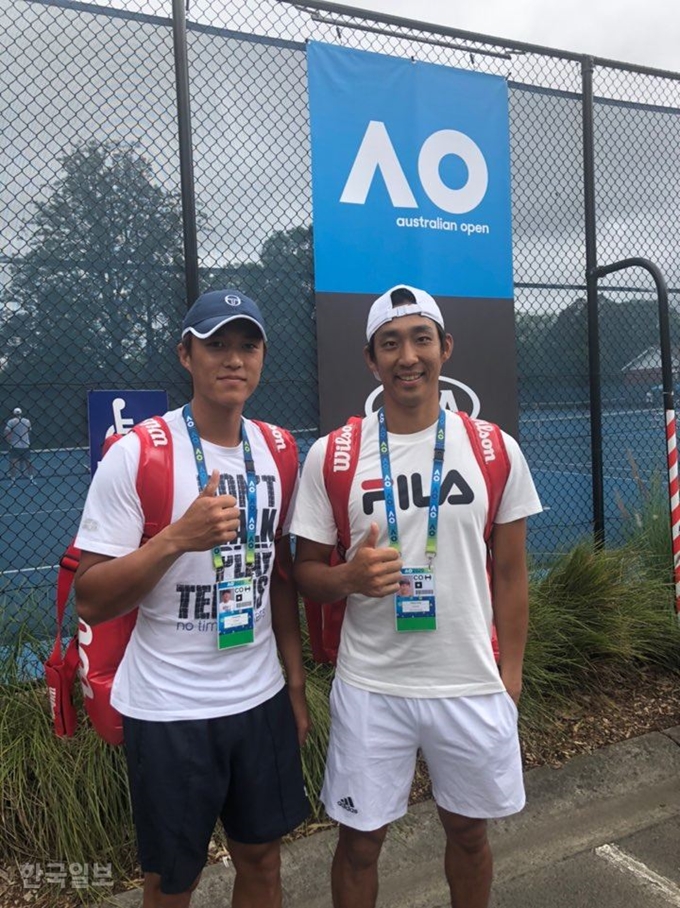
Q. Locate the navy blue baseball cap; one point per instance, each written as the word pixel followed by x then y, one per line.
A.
pixel 215 309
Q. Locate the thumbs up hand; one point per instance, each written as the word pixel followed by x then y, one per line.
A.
pixel 371 538
pixel 211 486
pixel 209 521
pixel 375 571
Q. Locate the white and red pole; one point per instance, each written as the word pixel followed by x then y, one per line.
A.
pixel 674 499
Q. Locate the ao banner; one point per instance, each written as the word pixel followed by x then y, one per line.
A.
pixel 411 184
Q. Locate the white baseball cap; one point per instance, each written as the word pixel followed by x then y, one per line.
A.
pixel 388 307
pixel 17 411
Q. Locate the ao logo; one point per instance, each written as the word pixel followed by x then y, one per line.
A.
pixel 453 395
pixel 376 151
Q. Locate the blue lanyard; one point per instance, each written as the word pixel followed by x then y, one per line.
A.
pixel 435 488
pixel 251 484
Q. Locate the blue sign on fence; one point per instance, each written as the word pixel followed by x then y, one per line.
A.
pixel 111 412
pixel 410 176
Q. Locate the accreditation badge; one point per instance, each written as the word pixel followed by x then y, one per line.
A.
pixel 414 604
pixel 235 613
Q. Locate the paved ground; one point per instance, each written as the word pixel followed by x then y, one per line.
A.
pixel 602 831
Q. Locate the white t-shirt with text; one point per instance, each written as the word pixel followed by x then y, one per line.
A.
pixel 172 668
pixel 456 659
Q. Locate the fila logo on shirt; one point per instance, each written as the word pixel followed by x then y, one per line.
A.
pixel 413 490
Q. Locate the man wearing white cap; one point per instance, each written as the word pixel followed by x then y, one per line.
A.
pixel 211 731
pixel 18 437
pixel 416 670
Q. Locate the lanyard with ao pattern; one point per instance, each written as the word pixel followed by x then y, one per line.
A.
pixel 435 489
pixel 251 484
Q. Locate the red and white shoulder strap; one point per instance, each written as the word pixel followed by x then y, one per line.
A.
pixel 489 448
pixel 284 450
pixel 340 464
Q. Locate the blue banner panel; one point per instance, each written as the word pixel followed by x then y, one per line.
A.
pixel 410 176
pixel 116 412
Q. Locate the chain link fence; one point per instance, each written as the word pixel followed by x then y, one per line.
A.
pixel 92 273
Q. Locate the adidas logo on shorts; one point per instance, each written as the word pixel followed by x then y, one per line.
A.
pixel 347 804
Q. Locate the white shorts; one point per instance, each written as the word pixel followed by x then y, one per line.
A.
pixel 470 745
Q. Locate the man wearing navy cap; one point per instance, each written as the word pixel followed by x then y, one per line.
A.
pixel 211 729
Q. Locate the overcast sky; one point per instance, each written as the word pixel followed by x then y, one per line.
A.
pixel 128 95
pixel 646 32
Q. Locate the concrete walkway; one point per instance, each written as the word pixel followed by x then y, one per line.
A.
pixel 601 831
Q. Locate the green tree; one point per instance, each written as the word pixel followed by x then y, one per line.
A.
pixel 553 350
pixel 626 327
pixel 97 298
pixel 289 390
pixel 104 268
pixel 531 330
pixel 288 266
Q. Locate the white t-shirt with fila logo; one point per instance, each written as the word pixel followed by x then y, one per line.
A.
pixel 457 658
pixel 172 668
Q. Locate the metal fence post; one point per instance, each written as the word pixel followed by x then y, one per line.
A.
pixel 593 318
pixel 186 161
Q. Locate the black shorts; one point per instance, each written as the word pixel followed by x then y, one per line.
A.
pixel 244 769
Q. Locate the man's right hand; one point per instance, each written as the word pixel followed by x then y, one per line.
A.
pixel 375 571
pixel 209 521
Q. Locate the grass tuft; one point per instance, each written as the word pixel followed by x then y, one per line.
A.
pixel 62 800
pixel 592 610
